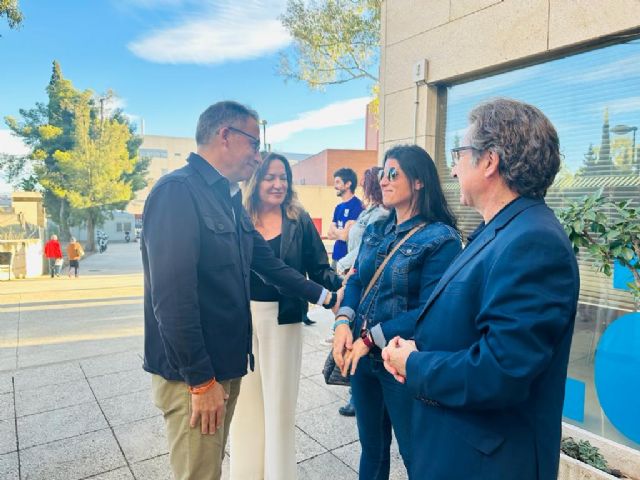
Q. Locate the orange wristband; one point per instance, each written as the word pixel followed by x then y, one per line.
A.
pixel 203 388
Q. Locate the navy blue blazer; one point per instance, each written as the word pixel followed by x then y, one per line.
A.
pixel 493 346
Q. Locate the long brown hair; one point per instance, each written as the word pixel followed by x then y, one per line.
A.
pixel 291 206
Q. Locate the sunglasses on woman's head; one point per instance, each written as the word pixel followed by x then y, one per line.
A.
pixel 391 174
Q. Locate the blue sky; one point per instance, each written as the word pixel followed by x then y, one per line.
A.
pixel 572 91
pixel 168 60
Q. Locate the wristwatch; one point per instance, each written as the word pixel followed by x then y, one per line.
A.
pixel 332 302
pixel 365 335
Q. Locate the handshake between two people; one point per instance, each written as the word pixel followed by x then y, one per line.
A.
pixel 347 352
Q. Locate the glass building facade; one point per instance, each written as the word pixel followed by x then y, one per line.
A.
pixel 593 99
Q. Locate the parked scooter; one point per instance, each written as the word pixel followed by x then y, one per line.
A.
pixel 103 239
pixel 127 237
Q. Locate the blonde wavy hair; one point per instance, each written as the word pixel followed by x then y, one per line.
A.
pixel 291 206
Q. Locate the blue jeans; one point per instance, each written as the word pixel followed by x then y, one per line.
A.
pixel 380 402
pixel 53 268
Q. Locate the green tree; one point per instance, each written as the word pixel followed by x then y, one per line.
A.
pixel 68 129
pixel 95 167
pixel 47 129
pixel 605 162
pixel 334 41
pixel 589 164
pixel 11 10
pixel 622 154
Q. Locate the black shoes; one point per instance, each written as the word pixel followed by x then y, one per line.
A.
pixel 347 411
pixel 307 321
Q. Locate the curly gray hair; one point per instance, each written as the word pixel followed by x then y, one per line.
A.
pixel 524 139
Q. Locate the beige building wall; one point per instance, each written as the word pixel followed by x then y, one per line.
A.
pixel 467 39
pixel 320 201
pixel 30 205
pixel 167 154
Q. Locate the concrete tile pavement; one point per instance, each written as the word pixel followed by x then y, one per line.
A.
pixel 84 409
pixel 96 425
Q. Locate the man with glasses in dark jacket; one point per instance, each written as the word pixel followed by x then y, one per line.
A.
pixel 198 248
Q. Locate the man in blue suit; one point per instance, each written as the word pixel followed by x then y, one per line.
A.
pixel 489 360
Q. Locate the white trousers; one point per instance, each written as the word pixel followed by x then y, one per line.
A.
pixel 263 427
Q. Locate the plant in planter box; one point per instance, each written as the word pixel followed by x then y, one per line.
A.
pixel 585 452
pixel 609 231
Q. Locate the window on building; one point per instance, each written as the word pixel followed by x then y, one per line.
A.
pixel 153 153
pixel 593 99
pixel 127 226
pixel 118 227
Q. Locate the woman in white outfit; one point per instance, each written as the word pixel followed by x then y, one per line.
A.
pixel 263 427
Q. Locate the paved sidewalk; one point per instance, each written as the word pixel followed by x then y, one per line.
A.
pixel 75 403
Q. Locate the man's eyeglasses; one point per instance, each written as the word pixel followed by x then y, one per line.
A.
pixel 391 174
pixel 255 142
pixel 455 153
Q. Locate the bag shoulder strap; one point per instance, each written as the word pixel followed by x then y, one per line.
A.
pixel 379 270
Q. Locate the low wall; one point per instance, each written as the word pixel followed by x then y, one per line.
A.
pixel 27 257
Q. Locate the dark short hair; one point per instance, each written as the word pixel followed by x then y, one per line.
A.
pixel 220 115
pixel 524 139
pixel 371 185
pixel 347 175
pixel 429 201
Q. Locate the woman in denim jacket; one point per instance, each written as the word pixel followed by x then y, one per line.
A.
pixel 411 189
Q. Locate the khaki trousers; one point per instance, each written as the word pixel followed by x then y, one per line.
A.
pixel 263 433
pixel 193 456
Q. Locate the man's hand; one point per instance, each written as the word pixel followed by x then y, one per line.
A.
pixel 353 356
pixel 395 356
pixel 346 277
pixel 210 408
pixel 342 343
pixel 340 295
pixel 343 233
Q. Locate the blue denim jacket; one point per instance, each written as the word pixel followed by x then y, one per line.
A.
pixel 392 306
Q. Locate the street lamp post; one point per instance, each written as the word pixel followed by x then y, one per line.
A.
pixel 264 133
pixel 623 129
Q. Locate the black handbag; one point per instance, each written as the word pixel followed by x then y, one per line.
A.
pixel 331 372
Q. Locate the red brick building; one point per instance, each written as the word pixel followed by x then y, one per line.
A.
pixel 318 169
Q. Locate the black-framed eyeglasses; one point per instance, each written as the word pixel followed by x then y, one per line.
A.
pixel 255 142
pixel 391 174
pixel 455 153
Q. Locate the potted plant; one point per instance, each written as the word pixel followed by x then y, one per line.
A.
pixel 609 232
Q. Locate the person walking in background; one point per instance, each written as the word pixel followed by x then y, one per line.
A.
pixel 400 261
pixel 374 211
pixel 53 252
pixel 489 360
pixel 198 248
pixel 263 429
pixel 75 253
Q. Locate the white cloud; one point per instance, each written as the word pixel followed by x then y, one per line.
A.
pixel 333 115
pixel 620 105
pixel 493 86
pixel 12 145
pixel 619 69
pixel 218 32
